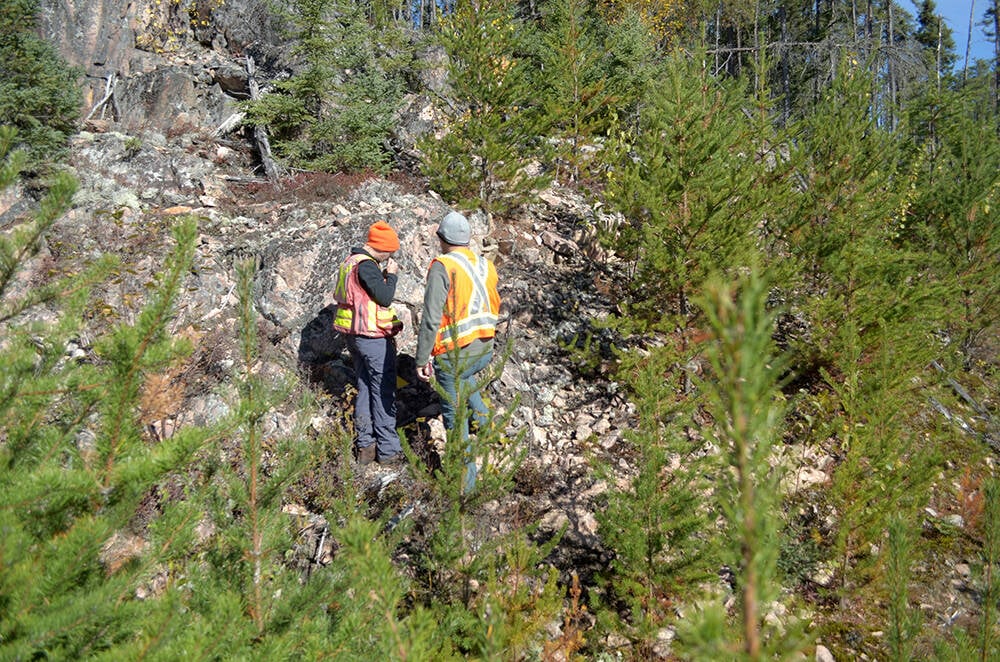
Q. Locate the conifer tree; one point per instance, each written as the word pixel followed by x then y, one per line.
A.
pixel 981 641
pixel 746 404
pixel 491 595
pixel 687 180
pixel 953 218
pixel 990 558
pixel 337 111
pixel 494 125
pixel 39 91
pixel 366 593
pixel 241 595
pixel 696 183
pixel 872 314
pixel 904 621
pixel 472 471
pixel 659 527
pixel 74 462
pixel 934 35
pixel 575 84
pixel 633 67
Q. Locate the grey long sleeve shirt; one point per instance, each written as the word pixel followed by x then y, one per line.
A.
pixel 435 295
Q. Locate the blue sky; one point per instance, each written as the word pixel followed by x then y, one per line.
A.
pixel 956 17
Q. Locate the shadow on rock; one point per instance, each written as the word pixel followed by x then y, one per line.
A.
pixel 325 360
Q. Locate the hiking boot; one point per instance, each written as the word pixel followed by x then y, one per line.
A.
pixel 364 455
pixel 394 460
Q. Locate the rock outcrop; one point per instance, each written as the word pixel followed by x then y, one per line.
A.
pixel 296 235
pixel 170 67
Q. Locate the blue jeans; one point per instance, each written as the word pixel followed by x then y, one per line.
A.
pixel 375 409
pixel 466 371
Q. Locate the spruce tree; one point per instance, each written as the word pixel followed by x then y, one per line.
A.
pixel 935 37
pixel 39 91
pixel 337 111
pixel 575 85
pixel 494 130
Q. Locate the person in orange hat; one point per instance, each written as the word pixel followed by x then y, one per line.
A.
pixel 364 293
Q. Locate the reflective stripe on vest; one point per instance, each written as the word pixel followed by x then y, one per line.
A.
pixel 357 313
pixel 473 304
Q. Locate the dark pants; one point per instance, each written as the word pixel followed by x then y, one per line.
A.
pixel 466 370
pixel 375 409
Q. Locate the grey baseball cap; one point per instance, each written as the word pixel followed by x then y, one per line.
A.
pixel 454 229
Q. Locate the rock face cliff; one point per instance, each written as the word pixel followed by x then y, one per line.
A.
pixel 163 66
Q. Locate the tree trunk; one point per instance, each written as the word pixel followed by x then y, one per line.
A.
pixel 996 57
pixel 260 132
pixel 890 68
pixel 968 39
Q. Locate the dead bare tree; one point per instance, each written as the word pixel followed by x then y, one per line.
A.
pixel 260 131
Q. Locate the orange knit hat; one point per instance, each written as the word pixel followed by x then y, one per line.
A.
pixel 383 238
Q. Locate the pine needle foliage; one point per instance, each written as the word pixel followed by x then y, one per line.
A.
pixel 74 461
pixel 633 67
pixel 494 126
pixel 473 471
pixel 887 466
pixel 514 599
pixel 990 557
pixel 842 227
pixel 747 406
pixel 368 619
pixel 492 596
pixel 903 620
pixel 686 180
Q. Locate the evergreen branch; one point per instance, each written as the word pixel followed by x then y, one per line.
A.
pixel 129 357
pixel 67 288
pixel 13 252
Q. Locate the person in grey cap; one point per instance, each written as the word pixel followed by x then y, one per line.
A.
pixel 461 307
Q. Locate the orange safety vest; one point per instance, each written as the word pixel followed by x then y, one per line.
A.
pixel 357 313
pixel 473 304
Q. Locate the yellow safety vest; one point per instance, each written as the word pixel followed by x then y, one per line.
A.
pixel 473 304
pixel 357 313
